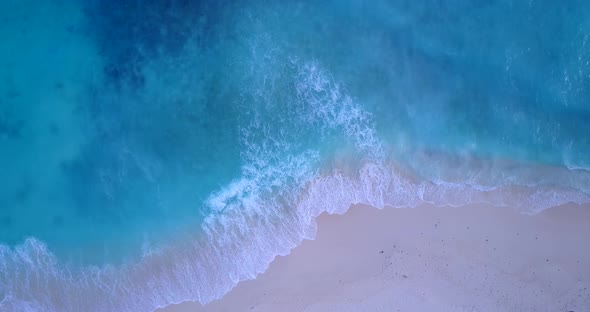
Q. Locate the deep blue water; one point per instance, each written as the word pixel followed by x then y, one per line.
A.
pixel 201 138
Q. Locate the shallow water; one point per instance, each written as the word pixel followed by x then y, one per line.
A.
pixel 167 151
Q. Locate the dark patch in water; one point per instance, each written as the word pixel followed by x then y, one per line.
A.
pixel 23 193
pixel 70 29
pixel 129 32
pixel 6 221
pixel 57 220
pixel 10 129
pixel 100 181
pixel 54 128
pixel 12 94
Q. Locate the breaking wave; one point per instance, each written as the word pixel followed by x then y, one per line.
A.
pixel 272 207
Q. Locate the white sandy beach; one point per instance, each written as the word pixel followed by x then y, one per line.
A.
pixel 472 258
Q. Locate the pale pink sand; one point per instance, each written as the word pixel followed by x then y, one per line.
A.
pixel 473 258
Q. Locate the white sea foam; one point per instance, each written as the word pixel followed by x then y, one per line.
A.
pixel 268 211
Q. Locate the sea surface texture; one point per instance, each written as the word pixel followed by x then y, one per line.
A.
pixel 153 152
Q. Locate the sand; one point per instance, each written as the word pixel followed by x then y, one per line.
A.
pixel 472 258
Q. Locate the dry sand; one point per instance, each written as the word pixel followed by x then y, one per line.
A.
pixel 472 258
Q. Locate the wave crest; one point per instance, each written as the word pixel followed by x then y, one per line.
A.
pixel 268 211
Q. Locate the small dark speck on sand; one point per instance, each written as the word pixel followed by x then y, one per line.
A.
pixel 546 260
pixel 404 276
pixel 468 228
pixel 381 252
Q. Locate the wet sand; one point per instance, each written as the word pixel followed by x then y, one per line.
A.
pixel 471 258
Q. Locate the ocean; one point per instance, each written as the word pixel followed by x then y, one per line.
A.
pixel 154 152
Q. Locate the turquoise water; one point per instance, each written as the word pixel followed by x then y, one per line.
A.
pixel 158 152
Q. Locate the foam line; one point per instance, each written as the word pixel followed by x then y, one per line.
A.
pixel 266 212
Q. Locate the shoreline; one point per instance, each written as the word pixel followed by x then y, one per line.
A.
pixel 202 269
pixel 470 258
